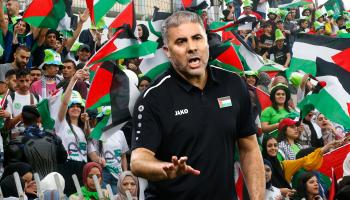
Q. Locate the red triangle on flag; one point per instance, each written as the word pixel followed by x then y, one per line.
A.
pixel 348 104
pixel 187 3
pixel 230 57
pixel 264 99
pixel 343 59
pixel 127 16
pixel 39 8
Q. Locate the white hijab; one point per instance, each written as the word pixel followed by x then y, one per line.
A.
pixel 346 166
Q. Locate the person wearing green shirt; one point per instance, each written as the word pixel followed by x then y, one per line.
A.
pixel 272 115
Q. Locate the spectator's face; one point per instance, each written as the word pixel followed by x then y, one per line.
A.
pixel 3 88
pixel 321 19
pixel 305 24
pixel 58 44
pixel 21 27
pixel 340 22
pixel 322 121
pixel 272 147
pixel 280 97
pixel 251 80
pixel 74 111
pixel 289 17
pixel 268 173
pixel 143 85
pixel 321 31
pixel 312 186
pixel 248 10
pixel 292 132
pixel 28 177
pixel 11 82
pixel 12 7
pixel 268 29
pixel 139 31
pixel 188 50
pixel 35 75
pixel 68 70
pixel 307 13
pixel 279 43
pixel 280 25
pixel 90 181
pixel 309 116
pixel 51 70
pixel 84 55
pixel 23 83
pixel 51 40
pixel 6 18
pixel 272 16
pixel 129 184
pixel 21 58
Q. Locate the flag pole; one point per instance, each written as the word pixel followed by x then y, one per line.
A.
pixel 38 187
pixel 77 186
pixel 98 187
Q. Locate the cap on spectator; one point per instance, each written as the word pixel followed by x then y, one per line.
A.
pixel 247 3
pixel 279 35
pixel 272 11
pixel 280 86
pixel 101 24
pixel 51 58
pixel 76 99
pixel 330 13
pixel 75 46
pixel 84 47
pixel 347 25
pixel 103 111
pixel 318 14
pixel 284 123
pixel 306 7
pixel 228 2
pixel 252 73
pixel 282 13
pixel 31 109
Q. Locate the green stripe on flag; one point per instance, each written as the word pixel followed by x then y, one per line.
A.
pixel 308 66
pixel 98 130
pixel 324 98
pixel 156 71
pixel 104 101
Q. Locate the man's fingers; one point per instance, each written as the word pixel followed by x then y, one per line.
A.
pixel 190 170
pixel 174 160
pixel 183 160
pixel 168 167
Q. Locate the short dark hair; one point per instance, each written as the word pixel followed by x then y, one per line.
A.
pixel 10 72
pixel 70 61
pixel 22 47
pixel 22 73
pixel 35 68
pixel 29 118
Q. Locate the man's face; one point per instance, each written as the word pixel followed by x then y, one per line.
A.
pixel 21 58
pixel 280 25
pixel 68 70
pixel 51 40
pixel 11 82
pixel 3 88
pixel 35 75
pixel 248 10
pixel 188 50
pixel 12 7
pixel 268 29
pixel 23 83
pixel 83 55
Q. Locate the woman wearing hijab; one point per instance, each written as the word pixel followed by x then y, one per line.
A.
pixel 283 171
pixel 89 189
pixel 24 170
pixel 8 186
pixel 271 192
pixel 127 181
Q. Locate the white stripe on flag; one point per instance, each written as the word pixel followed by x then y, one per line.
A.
pixel 311 52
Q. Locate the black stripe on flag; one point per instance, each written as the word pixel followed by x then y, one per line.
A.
pixel 325 41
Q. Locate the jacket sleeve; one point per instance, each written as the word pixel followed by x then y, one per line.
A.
pixel 310 162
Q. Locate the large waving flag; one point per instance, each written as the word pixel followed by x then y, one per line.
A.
pixel 308 47
pixel 54 14
pixel 120 46
pixel 155 24
pixel 127 16
pixel 115 87
pixel 156 65
pixel 226 57
pixel 98 8
pixel 295 3
pixel 334 96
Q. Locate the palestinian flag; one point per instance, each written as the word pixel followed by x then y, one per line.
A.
pixel 127 16
pixel 336 5
pixel 325 68
pixel 120 47
pixel 93 69
pixel 99 8
pixel 113 87
pixel 194 5
pixel 251 60
pixel 156 65
pixel 295 4
pixel 48 14
pixel 48 109
pixel 308 47
pixel 334 159
pixel 334 96
pixel 155 25
pixel 263 98
pixel 225 56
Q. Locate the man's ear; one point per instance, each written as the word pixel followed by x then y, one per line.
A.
pixel 166 50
